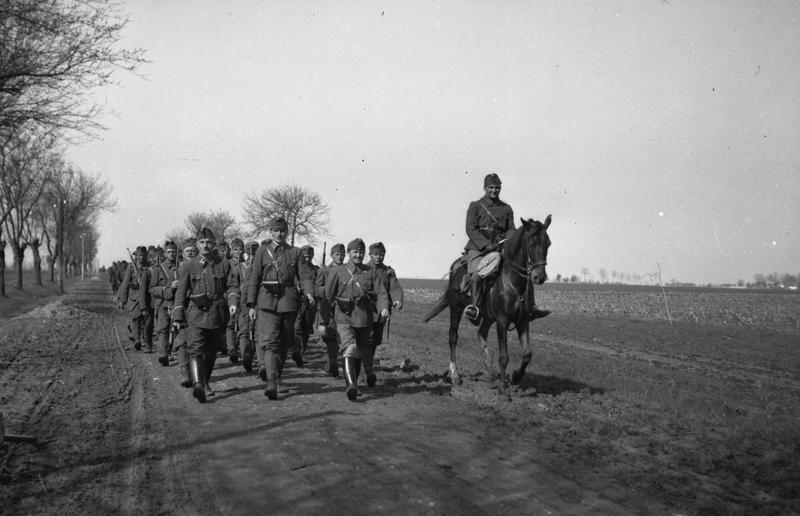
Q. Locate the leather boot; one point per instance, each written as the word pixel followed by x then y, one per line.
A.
pixel 246 349
pixel 230 342
pixel 186 376
pixel 297 353
pixel 163 344
pixel 350 377
pixel 271 372
pixel 472 311
pixel 332 367
pixel 198 377
pixel 209 361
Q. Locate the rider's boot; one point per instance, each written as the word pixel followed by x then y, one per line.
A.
pixel 198 378
pixel 472 311
pixel 350 378
pixel 332 368
pixel 208 363
pixel 271 373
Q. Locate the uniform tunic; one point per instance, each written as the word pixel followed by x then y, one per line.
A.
pixel 162 294
pixel 278 278
pixel 206 287
pixel 388 277
pixel 488 221
pixel 359 296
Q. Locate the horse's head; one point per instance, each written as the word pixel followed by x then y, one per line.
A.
pixel 536 242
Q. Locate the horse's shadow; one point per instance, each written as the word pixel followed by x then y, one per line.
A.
pixel 555 385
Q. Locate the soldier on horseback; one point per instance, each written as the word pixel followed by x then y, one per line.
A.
pixel 488 221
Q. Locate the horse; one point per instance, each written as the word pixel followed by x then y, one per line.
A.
pixel 508 301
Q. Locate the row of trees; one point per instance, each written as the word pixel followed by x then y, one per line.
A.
pixel 306 214
pixel 53 53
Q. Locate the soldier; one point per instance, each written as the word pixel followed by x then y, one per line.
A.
pixel 488 220
pixel 330 337
pixel 231 333
pixel 273 300
pixel 113 278
pixel 377 252
pixel 207 295
pixel 188 251
pixel 304 324
pixel 155 255
pixel 360 297
pixel 162 286
pixel 129 295
pixel 246 344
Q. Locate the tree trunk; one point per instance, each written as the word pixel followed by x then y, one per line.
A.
pixel 2 268
pixel 37 263
pixel 19 254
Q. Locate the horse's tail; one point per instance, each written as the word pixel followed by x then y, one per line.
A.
pixel 443 303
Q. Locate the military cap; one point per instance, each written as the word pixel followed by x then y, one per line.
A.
pixel 356 244
pixel 337 248
pixel 278 223
pixel 252 245
pixel 189 242
pixel 170 244
pixel 307 249
pixel 141 249
pixel 491 179
pixel 377 247
pixel 205 234
pixel 237 242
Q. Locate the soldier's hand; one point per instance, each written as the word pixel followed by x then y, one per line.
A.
pixel 175 284
pixel 178 325
pixel 384 314
pixel 232 309
pixel 252 314
pixel 397 305
pixel 322 329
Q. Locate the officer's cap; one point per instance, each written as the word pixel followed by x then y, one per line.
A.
pixel 491 180
pixel 205 234
pixel 278 223
pixel 377 247
pixel 356 245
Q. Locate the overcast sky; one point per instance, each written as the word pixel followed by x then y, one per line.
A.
pixel 653 131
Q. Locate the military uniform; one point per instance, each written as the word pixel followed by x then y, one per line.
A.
pixel 330 336
pixel 360 296
pixel 488 221
pixel 388 276
pixel 130 296
pixel 162 295
pixel 206 288
pixel 246 325
pixel 278 278
pixel 304 324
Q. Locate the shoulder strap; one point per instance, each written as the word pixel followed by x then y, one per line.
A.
pixel 486 209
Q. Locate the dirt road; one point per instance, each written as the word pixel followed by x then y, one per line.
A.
pixel 117 434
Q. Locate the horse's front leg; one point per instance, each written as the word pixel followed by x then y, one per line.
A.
pixel 525 345
pixel 502 355
pixel 455 319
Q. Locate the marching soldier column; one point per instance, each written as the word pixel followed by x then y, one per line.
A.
pixel 257 305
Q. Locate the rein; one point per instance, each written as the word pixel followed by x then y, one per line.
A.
pixel 522 272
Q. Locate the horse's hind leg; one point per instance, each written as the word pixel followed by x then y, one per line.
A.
pixel 502 356
pixel 527 354
pixel 455 319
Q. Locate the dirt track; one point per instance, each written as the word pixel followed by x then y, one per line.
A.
pixel 616 416
pixel 117 434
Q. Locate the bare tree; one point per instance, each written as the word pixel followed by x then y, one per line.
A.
pixel 177 235
pixel 304 210
pixel 221 223
pixel 26 165
pixel 53 53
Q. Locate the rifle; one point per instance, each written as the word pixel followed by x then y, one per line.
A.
pixel 324 245
pixel 135 268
